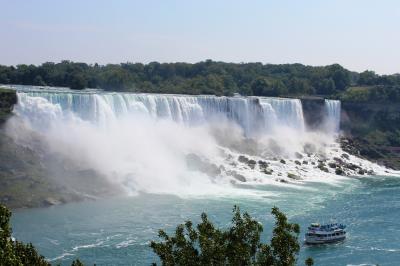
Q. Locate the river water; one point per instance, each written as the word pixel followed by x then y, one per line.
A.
pixel 118 231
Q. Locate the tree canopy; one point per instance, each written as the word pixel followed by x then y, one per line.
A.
pixel 207 77
pixel 238 245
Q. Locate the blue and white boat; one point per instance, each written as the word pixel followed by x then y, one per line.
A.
pixel 322 234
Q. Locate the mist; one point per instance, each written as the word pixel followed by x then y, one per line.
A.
pixel 186 146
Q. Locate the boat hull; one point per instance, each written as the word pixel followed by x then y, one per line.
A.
pixel 323 241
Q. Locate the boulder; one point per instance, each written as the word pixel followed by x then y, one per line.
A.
pixel 243 159
pixel 339 171
pixel 298 155
pixel 293 176
pixel 237 176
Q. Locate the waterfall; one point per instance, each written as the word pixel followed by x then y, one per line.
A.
pixel 333 110
pixel 255 115
pixel 163 143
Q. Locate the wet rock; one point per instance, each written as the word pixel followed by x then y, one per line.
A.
pixel 237 176
pixel 352 166
pixel 251 164
pixel 345 156
pixel 298 155
pixel 297 162
pixel 322 167
pixel 361 172
pixel 339 171
pixel 371 172
pixel 332 165
pixel 243 159
pixel 268 171
pixel 305 162
pixel 263 164
pixel 51 201
pixel 338 160
pixel 293 176
pixel 281 180
pixel 282 161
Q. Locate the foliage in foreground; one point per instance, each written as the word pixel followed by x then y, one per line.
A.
pixel 16 253
pixel 238 245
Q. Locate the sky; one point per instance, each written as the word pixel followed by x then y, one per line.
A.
pixel 358 34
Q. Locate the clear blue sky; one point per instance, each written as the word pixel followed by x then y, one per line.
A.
pixel 358 34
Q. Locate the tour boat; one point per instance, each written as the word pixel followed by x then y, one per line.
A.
pixel 328 233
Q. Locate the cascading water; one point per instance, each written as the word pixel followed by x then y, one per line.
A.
pixel 254 115
pixel 333 111
pixel 183 145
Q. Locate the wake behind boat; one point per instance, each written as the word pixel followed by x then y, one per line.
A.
pixel 322 234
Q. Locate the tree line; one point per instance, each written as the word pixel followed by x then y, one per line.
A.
pixel 206 77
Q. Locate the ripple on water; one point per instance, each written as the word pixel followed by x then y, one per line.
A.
pixel 120 230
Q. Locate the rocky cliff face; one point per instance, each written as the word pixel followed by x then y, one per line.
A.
pixel 313 111
pixel 373 131
pixel 7 100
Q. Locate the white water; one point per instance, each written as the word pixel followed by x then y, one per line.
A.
pixel 333 115
pixel 254 115
pixel 141 142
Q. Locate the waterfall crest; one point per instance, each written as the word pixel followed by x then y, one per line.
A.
pixel 255 115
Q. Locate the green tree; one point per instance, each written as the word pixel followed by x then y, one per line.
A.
pixel 340 76
pixel 284 241
pixel 39 81
pixel 16 253
pixel 77 263
pixel 265 87
pixel 78 81
pixel 238 245
pixel 326 87
pixel 207 77
pixel 367 78
pixel 309 262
